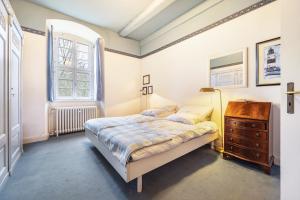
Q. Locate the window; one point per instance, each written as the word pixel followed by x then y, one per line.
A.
pixel 74 71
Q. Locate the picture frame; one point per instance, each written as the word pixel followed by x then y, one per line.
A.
pixel 229 70
pixel 268 67
pixel 150 89
pixel 146 79
pixel 144 90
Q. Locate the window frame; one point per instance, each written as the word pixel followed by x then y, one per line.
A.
pixel 73 68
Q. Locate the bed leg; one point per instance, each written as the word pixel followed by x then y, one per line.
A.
pixel 139 184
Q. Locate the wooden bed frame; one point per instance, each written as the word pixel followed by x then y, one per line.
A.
pixel 137 169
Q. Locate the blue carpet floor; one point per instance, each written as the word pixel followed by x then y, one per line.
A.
pixel 70 168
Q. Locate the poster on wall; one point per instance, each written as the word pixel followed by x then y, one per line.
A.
pixel 268 69
pixel 229 71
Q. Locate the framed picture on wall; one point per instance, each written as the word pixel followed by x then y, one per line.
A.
pixel 146 79
pixel 150 89
pixel 144 90
pixel 268 67
pixel 229 70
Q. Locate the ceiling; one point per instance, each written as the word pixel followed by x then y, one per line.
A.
pixel 118 14
pixel 163 18
pixel 111 14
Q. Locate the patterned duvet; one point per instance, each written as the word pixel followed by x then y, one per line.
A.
pixel 135 137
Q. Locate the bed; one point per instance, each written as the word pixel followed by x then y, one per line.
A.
pixel 137 144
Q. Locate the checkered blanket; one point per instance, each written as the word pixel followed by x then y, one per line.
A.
pixel 96 125
pixel 124 139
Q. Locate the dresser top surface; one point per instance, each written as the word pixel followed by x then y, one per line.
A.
pixel 249 110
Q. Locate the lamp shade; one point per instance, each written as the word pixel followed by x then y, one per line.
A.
pixel 208 89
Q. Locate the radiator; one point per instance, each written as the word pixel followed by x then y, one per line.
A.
pixel 70 119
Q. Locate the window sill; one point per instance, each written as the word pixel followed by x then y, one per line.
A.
pixel 72 102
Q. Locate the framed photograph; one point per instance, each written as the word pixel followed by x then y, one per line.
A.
pixel 146 79
pixel 150 89
pixel 144 90
pixel 268 67
pixel 229 70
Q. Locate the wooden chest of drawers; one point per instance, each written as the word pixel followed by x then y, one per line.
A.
pixel 248 133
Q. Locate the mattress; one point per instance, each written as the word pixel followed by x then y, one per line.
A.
pixel 136 140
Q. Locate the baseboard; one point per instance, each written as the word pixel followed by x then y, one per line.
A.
pixel 39 138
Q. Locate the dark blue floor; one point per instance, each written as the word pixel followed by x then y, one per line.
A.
pixel 70 168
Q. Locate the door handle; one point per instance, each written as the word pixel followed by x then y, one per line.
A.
pixel 293 92
pixel 290 97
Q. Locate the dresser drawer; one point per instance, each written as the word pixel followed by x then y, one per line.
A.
pixel 250 134
pixel 248 124
pixel 253 144
pixel 246 153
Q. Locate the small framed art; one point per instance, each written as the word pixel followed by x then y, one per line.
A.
pixel 144 90
pixel 146 79
pixel 150 89
pixel 268 67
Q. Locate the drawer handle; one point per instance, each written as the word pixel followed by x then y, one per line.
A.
pixel 231 130
pixel 231 147
pixel 253 125
pixel 257 145
pixel 257 134
pixel 231 139
pixel 257 155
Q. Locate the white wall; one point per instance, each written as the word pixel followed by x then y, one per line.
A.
pixel 34 88
pixel 122 84
pixel 122 74
pixel 178 72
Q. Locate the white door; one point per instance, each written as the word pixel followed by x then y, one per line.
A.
pixel 15 135
pixel 3 95
pixel 290 123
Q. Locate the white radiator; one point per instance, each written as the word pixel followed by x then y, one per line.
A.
pixel 70 119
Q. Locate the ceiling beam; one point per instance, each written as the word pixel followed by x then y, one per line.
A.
pixel 205 6
pixel 152 10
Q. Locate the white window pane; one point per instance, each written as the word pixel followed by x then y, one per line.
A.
pixel 82 64
pixel 83 84
pixel 65 83
pixel 82 47
pixel 65 92
pixel 65 53
pixel 83 76
pixel 83 93
pixel 82 56
pixel 83 88
pixel 73 70
pixel 62 74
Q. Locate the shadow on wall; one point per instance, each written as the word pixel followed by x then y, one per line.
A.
pixel 155 101
pixel 124 108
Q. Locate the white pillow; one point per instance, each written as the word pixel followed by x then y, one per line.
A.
pixel 203 112
pixel 160 112
pixel 186 118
